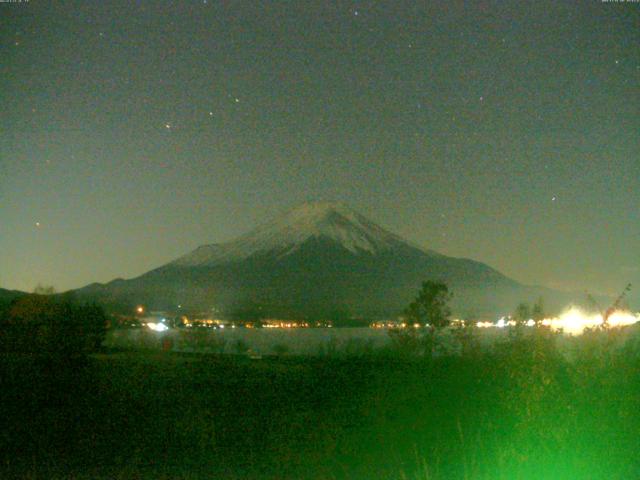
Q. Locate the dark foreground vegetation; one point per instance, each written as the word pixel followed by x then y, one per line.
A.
pixel 519 411
pixel 58 326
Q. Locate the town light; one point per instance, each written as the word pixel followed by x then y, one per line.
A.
pixel 157 327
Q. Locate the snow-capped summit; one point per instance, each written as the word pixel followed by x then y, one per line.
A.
pixel 284 234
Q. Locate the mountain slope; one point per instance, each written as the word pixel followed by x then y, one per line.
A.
pixel 318 260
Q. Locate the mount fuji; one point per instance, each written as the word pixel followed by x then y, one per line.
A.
pixel 320 260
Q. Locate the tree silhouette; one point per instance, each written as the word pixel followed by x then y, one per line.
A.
pixel 522 314
pixel 430 307
pixel 537 311
pixel 44 290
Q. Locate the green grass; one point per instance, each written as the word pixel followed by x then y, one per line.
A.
pixel 519 412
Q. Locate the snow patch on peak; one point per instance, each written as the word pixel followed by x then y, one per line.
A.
pixel 285 233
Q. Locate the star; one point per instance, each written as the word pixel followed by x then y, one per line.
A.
pixel 38 224
pixel 356 13
pixel 211 114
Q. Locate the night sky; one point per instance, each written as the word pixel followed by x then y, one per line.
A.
pixel 507 132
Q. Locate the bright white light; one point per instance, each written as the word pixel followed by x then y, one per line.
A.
pixel 158 327
pixel 574 321
pixel 620 318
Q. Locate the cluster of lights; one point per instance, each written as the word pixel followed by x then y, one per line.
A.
pixel 285 324
pixel 573 321
pixel 204 323
pixel 157 327
pixel 390 324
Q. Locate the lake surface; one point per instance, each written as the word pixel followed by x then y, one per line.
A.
pixel 261 341
pixel 300 341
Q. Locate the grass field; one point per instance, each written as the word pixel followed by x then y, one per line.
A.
pixel 519 411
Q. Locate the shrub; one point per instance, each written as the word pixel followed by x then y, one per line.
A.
pixel 51 325
pixel 280 349
pixel 241 347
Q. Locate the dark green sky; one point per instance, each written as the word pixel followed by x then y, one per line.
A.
pixel 132 132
